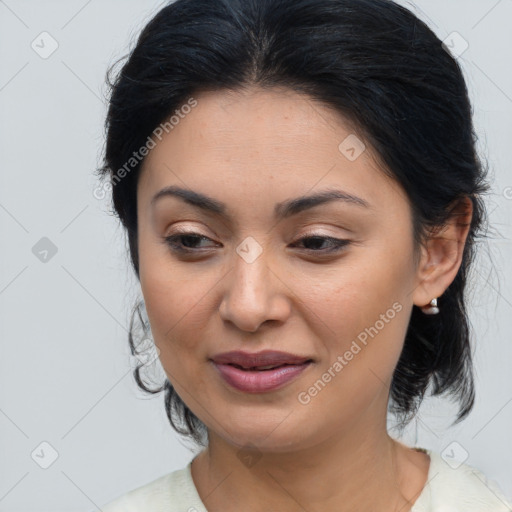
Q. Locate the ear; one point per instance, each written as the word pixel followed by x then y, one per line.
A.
pixel 441 254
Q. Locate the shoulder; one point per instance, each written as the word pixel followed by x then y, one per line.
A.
pixel 169 492
pixel 455 487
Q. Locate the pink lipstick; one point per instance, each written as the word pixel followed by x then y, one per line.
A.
pixel 261 371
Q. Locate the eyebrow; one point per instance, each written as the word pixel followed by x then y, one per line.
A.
pixel 281 210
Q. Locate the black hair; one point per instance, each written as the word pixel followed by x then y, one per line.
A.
pixel 379 66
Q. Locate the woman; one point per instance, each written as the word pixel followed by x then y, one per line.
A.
pixel 301 192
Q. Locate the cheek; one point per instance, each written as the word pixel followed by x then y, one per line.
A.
pixel 353 294
pixel 174 310
pixel 361 312
pixel 180 302
pixel 360 337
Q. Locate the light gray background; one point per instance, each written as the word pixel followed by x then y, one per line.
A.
pixel 65 366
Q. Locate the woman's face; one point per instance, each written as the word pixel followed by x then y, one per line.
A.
pixel 252 283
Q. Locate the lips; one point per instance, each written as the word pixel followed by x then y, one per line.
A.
pixel 259 372
pixel 259 360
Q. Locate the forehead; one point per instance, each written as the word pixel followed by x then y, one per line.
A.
pixel 231 122
pixel 265 141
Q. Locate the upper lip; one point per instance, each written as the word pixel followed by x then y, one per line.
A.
pixel 256 359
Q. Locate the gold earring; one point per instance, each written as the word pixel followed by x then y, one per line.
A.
pixel 431 309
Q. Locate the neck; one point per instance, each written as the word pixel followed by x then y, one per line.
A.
pixel 361 470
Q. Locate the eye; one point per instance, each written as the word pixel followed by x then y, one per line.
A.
pixel 186 242
pixel 336 244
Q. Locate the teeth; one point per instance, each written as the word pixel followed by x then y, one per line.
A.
pixel 266 367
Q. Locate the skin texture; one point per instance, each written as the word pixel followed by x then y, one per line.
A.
pixel 251 150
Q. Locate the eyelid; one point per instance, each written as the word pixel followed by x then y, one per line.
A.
pixel 337 244
pixel 314 234
pixel 186 230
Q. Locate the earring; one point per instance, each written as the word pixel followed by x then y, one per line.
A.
pixel 431 309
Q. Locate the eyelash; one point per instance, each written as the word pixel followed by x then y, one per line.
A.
pixel 338 243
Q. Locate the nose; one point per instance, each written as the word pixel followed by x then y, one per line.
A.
pixel 255 293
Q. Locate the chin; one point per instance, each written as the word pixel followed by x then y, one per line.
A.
pixel 273 432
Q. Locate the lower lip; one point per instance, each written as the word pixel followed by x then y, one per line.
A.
pixel 259 381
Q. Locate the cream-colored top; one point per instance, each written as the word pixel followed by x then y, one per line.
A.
pixel 463 489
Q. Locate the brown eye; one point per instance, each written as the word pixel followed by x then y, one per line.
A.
pixel 186 242
pixel 314 243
